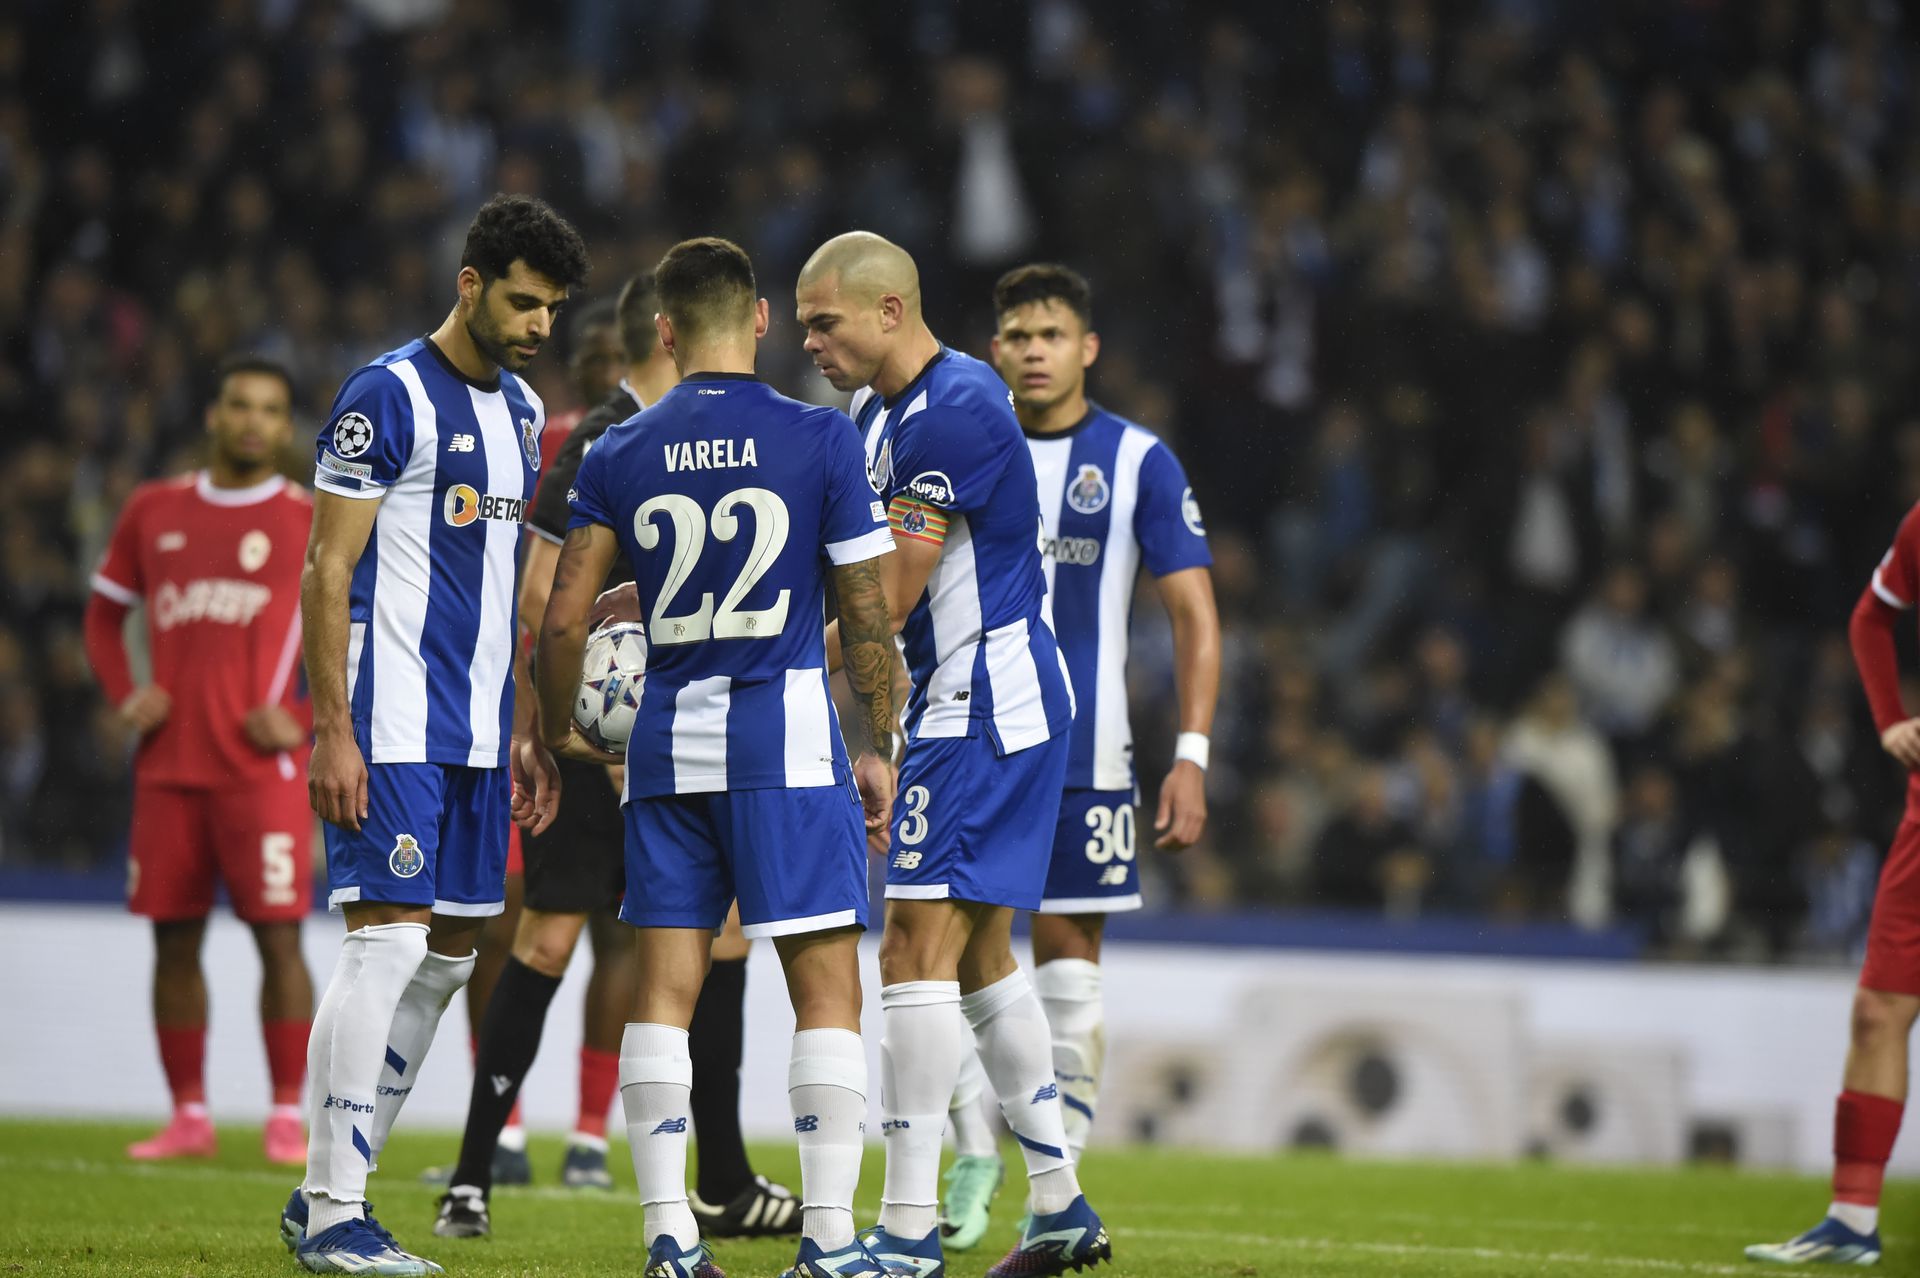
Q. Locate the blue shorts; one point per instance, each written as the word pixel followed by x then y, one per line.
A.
pixel 796 860
pixel 975 825
pixel 435 835
pixel 1093 871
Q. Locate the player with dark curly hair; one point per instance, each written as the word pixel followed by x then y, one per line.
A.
pixel 423 476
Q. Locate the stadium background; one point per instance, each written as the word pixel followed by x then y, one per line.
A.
pixel 1541 367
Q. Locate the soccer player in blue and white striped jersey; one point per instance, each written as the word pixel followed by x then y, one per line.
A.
pixel 989 725
pixel 733 504
pixel 423 474
pixel 1113 498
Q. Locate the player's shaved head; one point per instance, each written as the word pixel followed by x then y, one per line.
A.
pixel 865 267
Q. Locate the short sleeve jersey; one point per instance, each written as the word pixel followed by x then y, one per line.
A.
pixel 431 616
pixel 947 457
pixel 218 572
pixel 731 501
pixel 1112 498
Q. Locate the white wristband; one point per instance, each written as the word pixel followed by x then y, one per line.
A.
pixel 1191 746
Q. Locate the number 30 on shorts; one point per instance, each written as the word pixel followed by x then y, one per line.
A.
pixel 1112 833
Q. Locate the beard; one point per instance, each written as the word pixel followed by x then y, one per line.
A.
pixel 494 345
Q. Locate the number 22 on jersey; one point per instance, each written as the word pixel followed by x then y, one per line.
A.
pixel 690 522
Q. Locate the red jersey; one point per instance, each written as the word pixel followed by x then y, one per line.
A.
pixel 218 570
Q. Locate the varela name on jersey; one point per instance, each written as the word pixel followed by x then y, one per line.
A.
pixel 731 573
pixel 710 454
pixel 1112 497
pixel 454 462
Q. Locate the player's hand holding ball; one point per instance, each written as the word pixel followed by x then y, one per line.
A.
pixel 272 729
pixel 146 709
pixel 876 779
pixel 613 669
pixel 337 780
pixel 1902 741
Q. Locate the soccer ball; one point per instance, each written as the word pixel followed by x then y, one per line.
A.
pixel 611 676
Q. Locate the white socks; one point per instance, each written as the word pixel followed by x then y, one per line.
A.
pixel 435 982
pixel 344 1065
pixel 973 1135
pixel 656 1079
pixel 827 1087
pixel 1015 1047
pixel 1858 1217
pixel 919 1063
pixel 1069 989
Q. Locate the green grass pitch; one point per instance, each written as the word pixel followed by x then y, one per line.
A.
pixel 70 1203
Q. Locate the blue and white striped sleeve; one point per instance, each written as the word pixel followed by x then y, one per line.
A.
pixel 368 437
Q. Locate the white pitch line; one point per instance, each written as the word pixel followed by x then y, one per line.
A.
pixel 1430 1250
pixel 1124 1208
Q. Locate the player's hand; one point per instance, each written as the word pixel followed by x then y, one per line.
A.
pixel 622 603
pixel 536 785
pixel 146 709
pixel 876 780
pixel 272 729
pixel 1902 741
pixel 337 780
pixel 1183 807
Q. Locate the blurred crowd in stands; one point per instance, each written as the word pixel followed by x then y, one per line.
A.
pixel 1543 367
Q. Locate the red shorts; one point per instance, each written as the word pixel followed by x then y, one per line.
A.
pixel 257 839
pixel 1893 938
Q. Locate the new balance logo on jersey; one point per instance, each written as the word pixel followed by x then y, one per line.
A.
pixel 460 444
pixel 907 860
pixel 670 1127
pixel 807 1123
pixel 1113 876
pixel 1047 1093
pixel 171 541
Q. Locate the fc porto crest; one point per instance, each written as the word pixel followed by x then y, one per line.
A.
pixel 1088 493
pixel 406 859
pixel 529 442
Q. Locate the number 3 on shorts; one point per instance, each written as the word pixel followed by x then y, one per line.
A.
pixel 1112 833
pixel 914 828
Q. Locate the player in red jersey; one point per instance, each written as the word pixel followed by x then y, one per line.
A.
pixel 220 775
pixel 1874 1087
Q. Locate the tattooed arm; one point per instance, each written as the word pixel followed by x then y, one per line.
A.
pixel 866 645
pixel 585 558
pixel 866 639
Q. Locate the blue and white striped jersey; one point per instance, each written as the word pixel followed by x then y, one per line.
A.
pixel 730 501
pixel 431 612
pixel 947 457
pixel 1112 497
